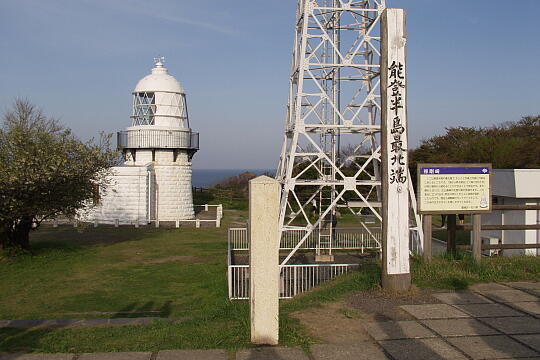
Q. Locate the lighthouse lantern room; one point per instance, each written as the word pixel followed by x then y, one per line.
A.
pixel 154 184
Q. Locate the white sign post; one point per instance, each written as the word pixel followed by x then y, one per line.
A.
pixel 395 179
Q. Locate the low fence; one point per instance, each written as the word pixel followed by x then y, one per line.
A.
pixel 217 220
pixel 294 279
pixel 344 239
pixel 238 239
pixel 137 222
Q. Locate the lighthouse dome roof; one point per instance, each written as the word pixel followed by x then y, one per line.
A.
pixel 159 81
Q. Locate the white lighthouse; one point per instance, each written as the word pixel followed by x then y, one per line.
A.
pixel 154 184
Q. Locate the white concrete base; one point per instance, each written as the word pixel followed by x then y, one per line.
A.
pixel 174 198
pixel 139 194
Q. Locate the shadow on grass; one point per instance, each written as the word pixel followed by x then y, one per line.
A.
pixel 20 340
pixel 226 327
pixel 46 240
pixel 147 309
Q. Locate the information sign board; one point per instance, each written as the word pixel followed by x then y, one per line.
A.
pixel 454 188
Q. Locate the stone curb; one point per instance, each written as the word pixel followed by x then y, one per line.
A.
pixel 61 323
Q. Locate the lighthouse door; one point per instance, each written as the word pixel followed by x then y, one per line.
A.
pixel 150 196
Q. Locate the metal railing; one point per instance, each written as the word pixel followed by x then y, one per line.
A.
pixel 298 278
pixel 217 220
pixel 344 239
pixel 238 239
pixel 294 279
pixel 157 139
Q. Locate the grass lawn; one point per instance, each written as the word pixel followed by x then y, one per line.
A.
pixel 179 273
pixel 115 270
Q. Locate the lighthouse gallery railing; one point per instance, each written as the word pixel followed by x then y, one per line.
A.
pixel 157 139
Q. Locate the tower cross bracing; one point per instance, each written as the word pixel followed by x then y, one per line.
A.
pixel 330 159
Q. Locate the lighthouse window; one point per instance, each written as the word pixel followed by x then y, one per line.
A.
pixel 144 108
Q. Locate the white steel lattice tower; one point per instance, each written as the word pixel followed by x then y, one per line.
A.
pixel 330 158
pixel 160 137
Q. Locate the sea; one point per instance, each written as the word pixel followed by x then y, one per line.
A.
pixel 207 178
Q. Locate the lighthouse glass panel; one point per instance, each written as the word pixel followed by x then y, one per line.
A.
pixel 144 108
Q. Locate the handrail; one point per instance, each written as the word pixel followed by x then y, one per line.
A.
pixel 157 139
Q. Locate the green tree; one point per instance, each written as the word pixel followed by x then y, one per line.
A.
pixel 507 146
pixel 45 171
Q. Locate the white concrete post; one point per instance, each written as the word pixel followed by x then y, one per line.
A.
pixel 136 223
pixel 264 259
pixel 197 223
pixel 218 222
pixel 156 223
pixel 55 222
pixel 116 223
pixel 395 178
pixel 205 207
pixel 177 223
pixel 75 223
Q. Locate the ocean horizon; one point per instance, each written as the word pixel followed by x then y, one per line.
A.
pixel 206 178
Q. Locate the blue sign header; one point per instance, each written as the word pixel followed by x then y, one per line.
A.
pixel 474 170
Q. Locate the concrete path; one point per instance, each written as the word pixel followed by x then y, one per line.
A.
pixel 489 321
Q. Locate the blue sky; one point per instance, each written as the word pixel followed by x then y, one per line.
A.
pixel 471 63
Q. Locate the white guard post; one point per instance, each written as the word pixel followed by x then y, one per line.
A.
pixel 395 178
pixel 264 259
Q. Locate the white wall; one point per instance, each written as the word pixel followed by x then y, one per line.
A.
pixel 517 183
pixel 128 199
pixel 165 156
pixel 125 199
pixel 143 157
pixel 174 198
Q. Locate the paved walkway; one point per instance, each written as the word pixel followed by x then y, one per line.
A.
pixel 489 321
